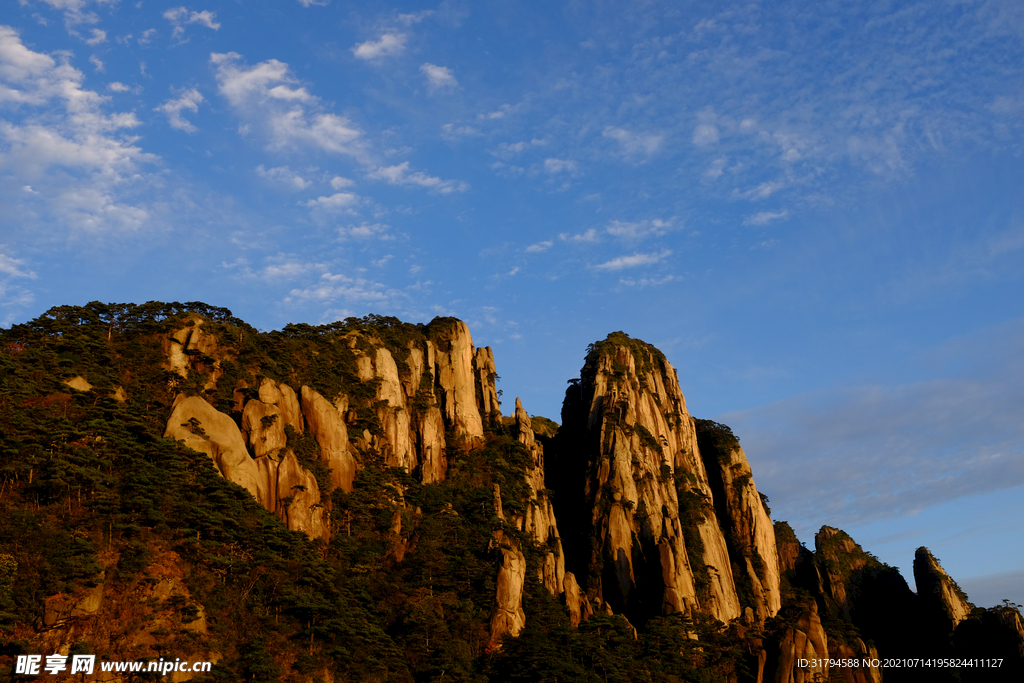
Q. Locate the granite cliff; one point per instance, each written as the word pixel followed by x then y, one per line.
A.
pixel 655 536
pixel 348 502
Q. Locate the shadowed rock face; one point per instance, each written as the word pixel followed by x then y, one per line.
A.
pixel 539 520
pixel 942 601
pixel 749 533
pixel 629 473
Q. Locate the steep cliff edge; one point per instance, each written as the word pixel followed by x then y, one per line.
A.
pixel 629 473
pixel 942 602
pixel 748 529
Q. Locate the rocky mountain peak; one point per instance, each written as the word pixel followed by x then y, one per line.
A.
pixel 655 523
pixel 939 595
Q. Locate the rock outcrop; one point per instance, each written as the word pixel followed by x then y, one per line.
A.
pixel 274 477
pixel 645 493
pixel 327 425
pixel 804 640
pixel 942 601
pixel 264 418
pixel 192 348
pixel 203 428
pixel 748 529
pixel 539 520
pixel 442 385
pixel 456 380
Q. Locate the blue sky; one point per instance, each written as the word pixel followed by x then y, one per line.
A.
pixel 814 208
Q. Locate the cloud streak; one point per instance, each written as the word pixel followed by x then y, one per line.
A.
pixel 634 260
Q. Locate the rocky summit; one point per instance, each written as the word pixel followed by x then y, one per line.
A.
pixel 350 502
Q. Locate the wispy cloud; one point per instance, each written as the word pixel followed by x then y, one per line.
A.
pixel 77 136
pixel 400 175
pixel 539 247
pixel 638 230
pixel 634 260
pixel 190 100
pixel 365 231
pixel 387 45
pixel 553 165
pixel 766 217
pixel 439 78
pixel 13 297
pixel 180 17
pixel 635 144
pixel 335 202
pixel 648 281
pixel 589 235
pixel 900 448
pixel 334 287
pixel 705 135
pixel 265 95
pixel 284 177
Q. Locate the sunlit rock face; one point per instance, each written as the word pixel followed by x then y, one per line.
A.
pixel 435 387
pixel 628 469
pixel 942 601
pixel 748 528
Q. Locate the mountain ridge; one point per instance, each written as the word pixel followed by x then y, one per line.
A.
pixel 427 515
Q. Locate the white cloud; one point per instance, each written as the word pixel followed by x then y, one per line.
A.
pixel 638 230
pixel 13 296
pixel 284 176
pixel 284 267
pixel 450 131
pixel 765 217
pixel 365 231
pixel 147 36
pixel 634 260
pixel 559 165
pixel 93 210
pixel 399 175
pixel 74 13
pixel 634 144
pixel 439 77
pixel 648 281
pixel 337 182
pixel 12 267
pixel 96 62
pixel 500 113
pixel 416 17
pixel 98 37
pixel 263 96
pixel 314 3
pixel 335 202
pixel 762 191
pixel 507 149
pixel 705 134
pixel 588 236
pixel 180 16
pixel 334 287
pixel 117 86
pixel 539 247
pixel 715 170
pixel 189 100
pixel 900 448
pixel 387 45
pixel 91 147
